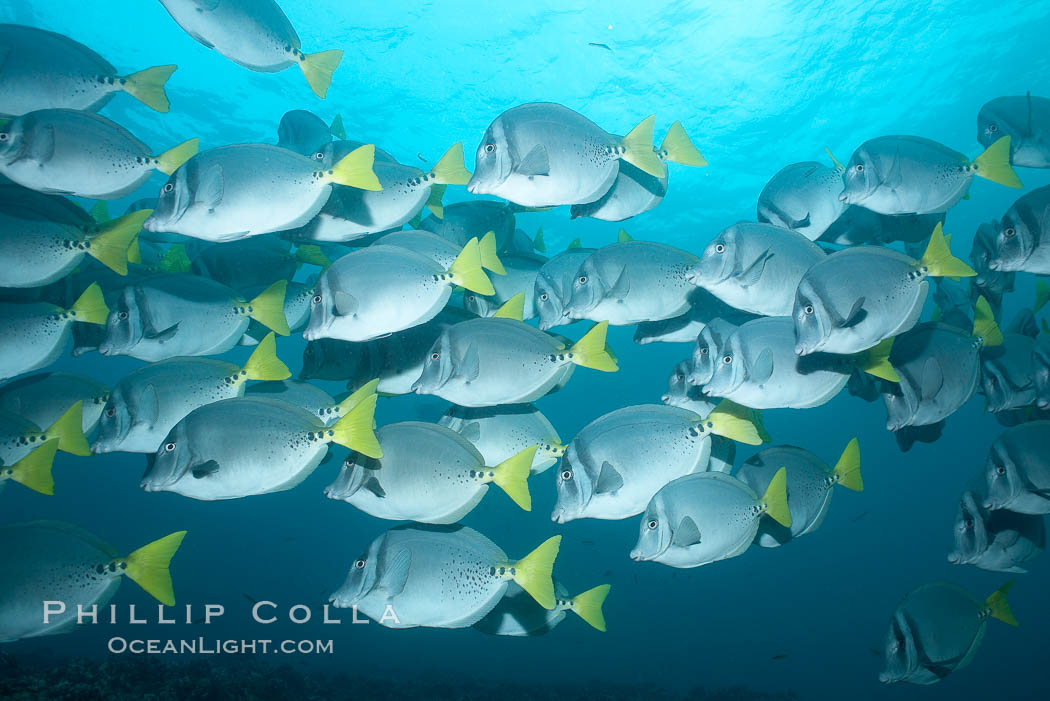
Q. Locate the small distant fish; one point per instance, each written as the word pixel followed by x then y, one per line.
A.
pixel 420 157
pixel 859 517
pixel 586 541
pixel 599 46
pixel 781 656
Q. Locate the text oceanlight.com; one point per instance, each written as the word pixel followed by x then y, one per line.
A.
pixel 213 646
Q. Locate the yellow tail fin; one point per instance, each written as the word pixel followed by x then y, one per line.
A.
pixel 359 395
pixel 355 169
pixel 999 607
pixel 337 128
pixel 775 500
pixel 355 430
pixel 100 212
pixel 90 306
pixel 263 363
pixel 836 162
pixel 622 236
pixel 148 87
pixel 588 605
pixel 575 243
pixel 1042 295
pixel 876 361
pixel 433 203
pixel 533 572
pixel 268 308
pixel 512 476
pixel 592 352
pixel 513 308
pixel 34 470
pixel 69 430
pixel 175 259
pixel 111 245
pixel 678 148
pixel 730 420
pixel 134 252
pixel 318 69
pixel 489 258
pixel 148 567
pixel 538 243
pixel 994 164
pixel 311 254
pixel 938 259
pixel 466 270
pixel 449 170
pixel 170 161
pixel 847 469
pixel 637 149
pixel 984 326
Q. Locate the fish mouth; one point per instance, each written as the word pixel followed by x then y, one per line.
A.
pixel 802 349
pixel 559 516
pixel 101 446
pixel 419 388
pixel 638 556
pixel 954 558
pixel 475 186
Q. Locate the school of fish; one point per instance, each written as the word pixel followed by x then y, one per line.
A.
pixel 246 244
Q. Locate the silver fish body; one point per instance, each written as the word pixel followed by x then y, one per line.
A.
pixel 803 197
pixel 756 268
pixel 631 282
pixel 554 284
pixel 615 464
pixel 1017 472
pixel 1026 120
pixel 998 541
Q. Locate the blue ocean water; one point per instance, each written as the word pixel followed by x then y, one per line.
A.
pixel 757 84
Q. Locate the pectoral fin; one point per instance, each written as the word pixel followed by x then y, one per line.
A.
pixel 687 533
pixel 204 469
pixel 857 313
pixel 470 365
pixel 621 287
pixel 762 368
pixel 609 480
pixel 395 572
pixel 345 303
pixel 211 187
pixel 472 431
pixel 535 162
pixel 932 379
pixel 753 273
pixel 42 145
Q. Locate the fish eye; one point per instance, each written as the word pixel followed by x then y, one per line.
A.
pixel 490 148
pixel 727 359
pixel 111 412
pixel 859 167
pixel 317 299
pixel 472 298
pixel 435 355
pixel 360 564
pixel 544 297
pixel 169 187
pixel 678 377
pixel 123 316
pixel 319 155
pixel 1009 232
pixel 993 128
pixel 808 309
pixel 168 447
pixel 3 136
pixel 1000 470
pixel 566 475
pixel 968 523
pixel 703 351
pixel 720 248
pixel 582 280
pixel 653 523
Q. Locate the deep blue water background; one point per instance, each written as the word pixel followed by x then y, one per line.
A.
pixel 758 85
